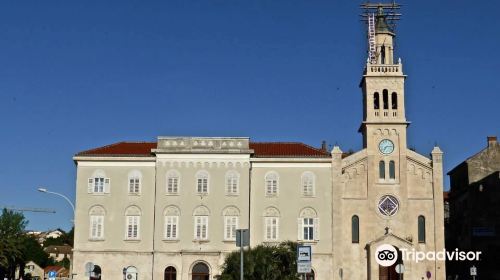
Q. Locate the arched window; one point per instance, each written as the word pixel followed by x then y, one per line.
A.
pixel 382 54
pixel 172 215
pixel 134 182
pixel 381 170
pixel 308 276
pixel 232 182
pixel 96 220
pixel 271 224
pixel 421 229
pixel 392 170
pixel 385 97
pixel 202 182
pixel 231 221
pixel 170 273
pixel 98 182
pixel 95 274
pixel 200 271
pixel 272 184
pixel 133 223
pixel 173 182
pixel 201 214
pixel 394 100
pixel 307 184
pixel 376 101
pixel 355 229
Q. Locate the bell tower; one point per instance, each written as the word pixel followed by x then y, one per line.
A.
pixel 384 122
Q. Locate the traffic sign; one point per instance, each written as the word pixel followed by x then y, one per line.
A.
pixel 304 253
pixel 52 275
pixel 303 267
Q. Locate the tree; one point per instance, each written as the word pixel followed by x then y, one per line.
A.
pixel 12 227
pixel 33 251
pixel 270 262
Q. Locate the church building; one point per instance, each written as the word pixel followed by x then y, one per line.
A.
pixel 169 209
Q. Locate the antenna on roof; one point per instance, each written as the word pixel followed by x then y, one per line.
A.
pixel 371 13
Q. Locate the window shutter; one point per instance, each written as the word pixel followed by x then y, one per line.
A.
pixel 196 225
pixel 107 185
pixel 206 228
pixel 300 229
pixel 90 187
pixel 175 229
pixel 316 228
pixel 277 230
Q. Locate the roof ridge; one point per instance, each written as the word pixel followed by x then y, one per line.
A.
pixel 98 148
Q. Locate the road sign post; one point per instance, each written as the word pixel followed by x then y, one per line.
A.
pixel 242 240
pixel 304 256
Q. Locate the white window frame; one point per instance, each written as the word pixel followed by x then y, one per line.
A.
pixel 133 227
pixel 200 228
pixel 99 185
pixel 308 184
pixel 202 182
pixel 271 183
pixel 173 182
pixel 171 227
pixel 96 231
pixel 134 185
pixel 232 183
pixel 271 228
pixel 230 225
pixel 311 225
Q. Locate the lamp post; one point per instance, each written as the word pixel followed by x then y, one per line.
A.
pixel 44 190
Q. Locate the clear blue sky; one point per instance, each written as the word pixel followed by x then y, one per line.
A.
pixel 81 74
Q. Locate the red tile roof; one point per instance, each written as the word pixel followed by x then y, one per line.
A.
pixel 122 149
pixel 261 149
pixel 285 149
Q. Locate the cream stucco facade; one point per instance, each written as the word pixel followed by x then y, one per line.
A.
pixel 277 190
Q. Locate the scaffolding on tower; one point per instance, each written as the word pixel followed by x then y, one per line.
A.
pixel 372 12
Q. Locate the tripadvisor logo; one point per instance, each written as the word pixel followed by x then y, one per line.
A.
pixel 387 255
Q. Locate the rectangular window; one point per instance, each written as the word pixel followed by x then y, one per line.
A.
pixel 272 187
pixel 202 185
pixel 171 227
pixel 134 185
pixel 96 227
pixel 98 185
pixel 133 227
pixel 308 188
pixel 271 226
pixel 308 229
pixel 173 185
pixel 201 228
pixel 232 185
pixel 230 226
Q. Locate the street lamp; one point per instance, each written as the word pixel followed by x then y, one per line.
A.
pixel 44 190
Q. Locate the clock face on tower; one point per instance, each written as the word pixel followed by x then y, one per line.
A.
pixel 386 146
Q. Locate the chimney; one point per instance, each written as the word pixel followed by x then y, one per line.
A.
pixel 492 140
pixel 323 146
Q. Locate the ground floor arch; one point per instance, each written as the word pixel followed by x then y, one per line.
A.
pixel 200 271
